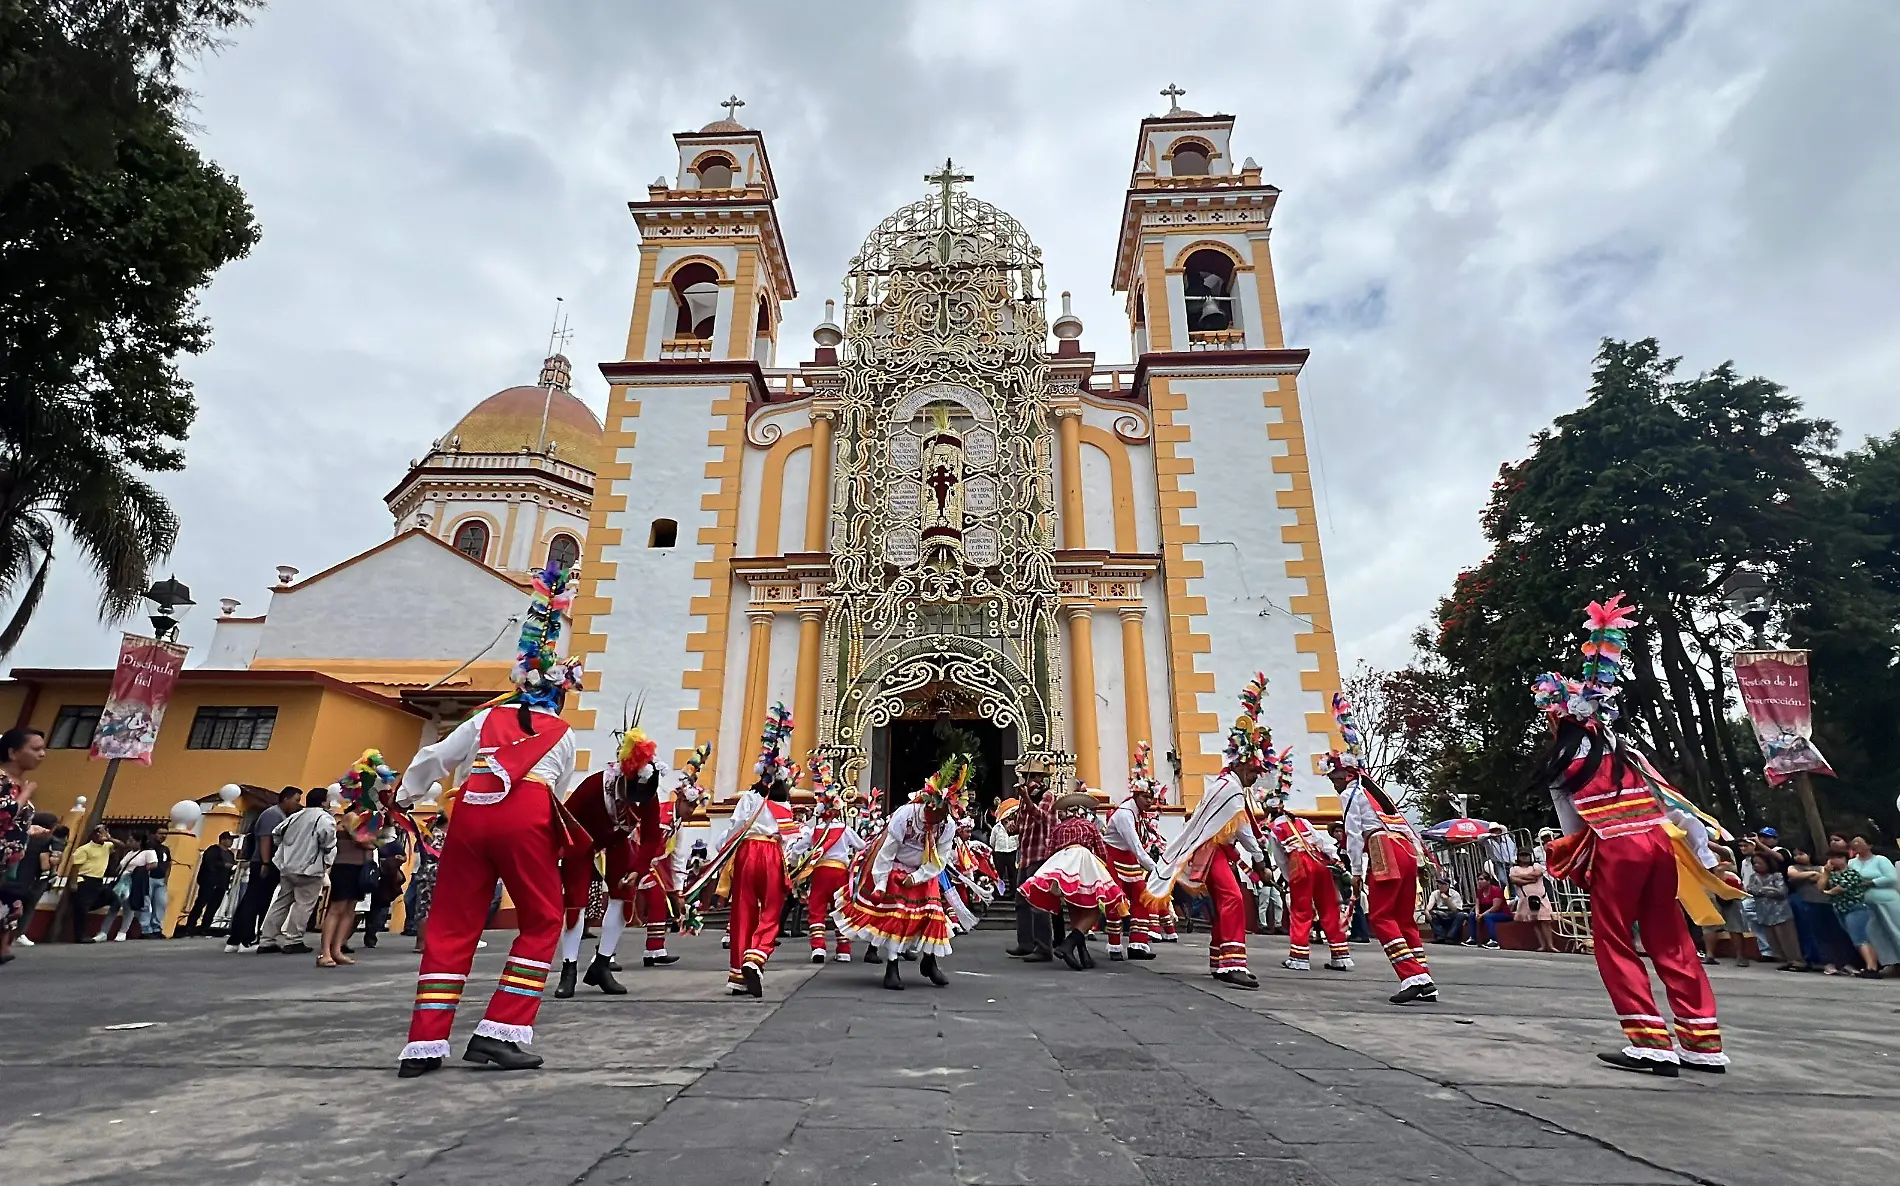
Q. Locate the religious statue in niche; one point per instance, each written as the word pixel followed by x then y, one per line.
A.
pixel 943 488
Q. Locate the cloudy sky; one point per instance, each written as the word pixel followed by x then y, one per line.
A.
pixel 1473 194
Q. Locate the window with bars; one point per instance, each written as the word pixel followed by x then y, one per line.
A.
pixel 74 726
pixel 246 727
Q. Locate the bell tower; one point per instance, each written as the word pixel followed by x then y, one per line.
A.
pixel 713 269
pixel 655 603
pixel 1246 583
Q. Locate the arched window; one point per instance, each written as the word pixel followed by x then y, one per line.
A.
pixel 665 533
pixel 696 296
pixel 563 552
pixel 1190 160
pixel 715 172
pixel 1209 282
pixel 471 540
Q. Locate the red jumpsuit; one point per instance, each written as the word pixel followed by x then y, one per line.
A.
pixel 1385 851
pixel 836 844
pixel 1130 867
pixel 504 827
pixel 1631 871
pixel 753 878
pixel 1311 892
pixel 610 835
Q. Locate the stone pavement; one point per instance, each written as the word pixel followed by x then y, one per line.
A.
pixel 265 1070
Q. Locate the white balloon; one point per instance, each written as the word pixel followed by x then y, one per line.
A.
pixel 186 814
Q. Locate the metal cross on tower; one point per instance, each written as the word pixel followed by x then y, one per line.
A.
pixel 732 105
pixel 1173 95
pixel 945 179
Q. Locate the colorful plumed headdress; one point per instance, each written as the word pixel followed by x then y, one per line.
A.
pixel 695 762
pixel 1269 793
pixel 1141 770
pixel 774 765
pixel 1353 757
pixel 1249 739
pixel 943 791
pixel 541 677
pixel 827 801
pixel 1284 772
pixel 1606 625
pixel 365 781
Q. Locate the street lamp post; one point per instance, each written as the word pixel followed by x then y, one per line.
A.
pixel 1749 596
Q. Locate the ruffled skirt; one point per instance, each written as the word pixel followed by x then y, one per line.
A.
pixel 897 916
pixel 1077 879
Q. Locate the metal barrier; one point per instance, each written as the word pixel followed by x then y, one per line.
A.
pixel 1464 862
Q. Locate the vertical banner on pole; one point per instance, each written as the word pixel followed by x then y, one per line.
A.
pixel 1774 687
pixel 141 685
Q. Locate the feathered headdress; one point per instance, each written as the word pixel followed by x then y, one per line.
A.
pixel 1606 625
pixel 1141 770
pixel 1285 772
pixel 1248 740
pixel 541 677
pixel 1353 757
pixel 695 762
pixel 943 791
pixel 365 786
pixel 773 765
pixel 1270 794
pixel 828 799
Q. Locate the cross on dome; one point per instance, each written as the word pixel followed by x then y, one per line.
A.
pixel 732 105
pixel 946 178
pixel 1173 95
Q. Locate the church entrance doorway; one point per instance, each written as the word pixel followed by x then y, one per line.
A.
pixel 912 750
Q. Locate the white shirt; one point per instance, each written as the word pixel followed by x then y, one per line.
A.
pixel 1000 840
pixel 1125 834
pixel 841 849
pixel 751 813
pixel 441 761
pixel 1321 842
pixel 905 845
pixel 1362 819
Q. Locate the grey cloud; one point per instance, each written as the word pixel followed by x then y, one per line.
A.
pixel 1472 195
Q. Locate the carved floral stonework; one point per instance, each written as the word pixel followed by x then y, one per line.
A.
pixel 942 521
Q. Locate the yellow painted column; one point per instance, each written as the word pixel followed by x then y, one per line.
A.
pixel 818 499
pixel 1087 738
pixel 1135 675
pixel 1069 434
pixel 811 620
pixel 758 680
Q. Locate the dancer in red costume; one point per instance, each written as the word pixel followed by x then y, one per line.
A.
pixel 1616 842
pixel 833 843
pixel 1306 856
pixel 1385 854
pixel 749 869
pixel 658 861
pixel 1203 856
pixel 508 824
pixel 893 899
pixel 1129 862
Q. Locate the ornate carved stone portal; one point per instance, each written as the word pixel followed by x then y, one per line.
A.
pixel 942 526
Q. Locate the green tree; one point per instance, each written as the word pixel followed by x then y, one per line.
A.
pixel 1659 488
pixel 110 224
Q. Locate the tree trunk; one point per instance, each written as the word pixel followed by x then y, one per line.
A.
pixel 1678 717
pixel 1724 740
pixel 1688 685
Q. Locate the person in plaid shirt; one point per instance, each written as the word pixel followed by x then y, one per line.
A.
pixel 1075 881
pixel 1035 821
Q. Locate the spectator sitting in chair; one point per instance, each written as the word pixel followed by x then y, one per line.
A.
pixel 1451 921
pixel 1492 906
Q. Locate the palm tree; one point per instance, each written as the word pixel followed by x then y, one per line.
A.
pixel 117 520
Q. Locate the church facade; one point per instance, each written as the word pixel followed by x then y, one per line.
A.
pixel 952 526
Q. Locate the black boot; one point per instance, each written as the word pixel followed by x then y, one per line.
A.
pixel 600 974
pixel 570 971
pixel 656 961
pixel 1067 949
pixel 893 974
pixel 1407 995
pixel 934 974
pixel 872 955
pixel 506 1055
pixel 415 1068
pixel 1082 950
pixel 754 979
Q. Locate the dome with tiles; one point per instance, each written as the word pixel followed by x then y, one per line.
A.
pixel 510 421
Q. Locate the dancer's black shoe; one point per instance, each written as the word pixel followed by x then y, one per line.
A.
pixel 415 1068
pixel 934 974
pixel 570 972
pixel 506 1055
pixel 1067 950
pixel 1237 978
pixel 600 974
pixel 1642 1066
pixel 656 961
pixel 754 979
pixel 1082 951
pixel 894 975
pixel 1414 992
